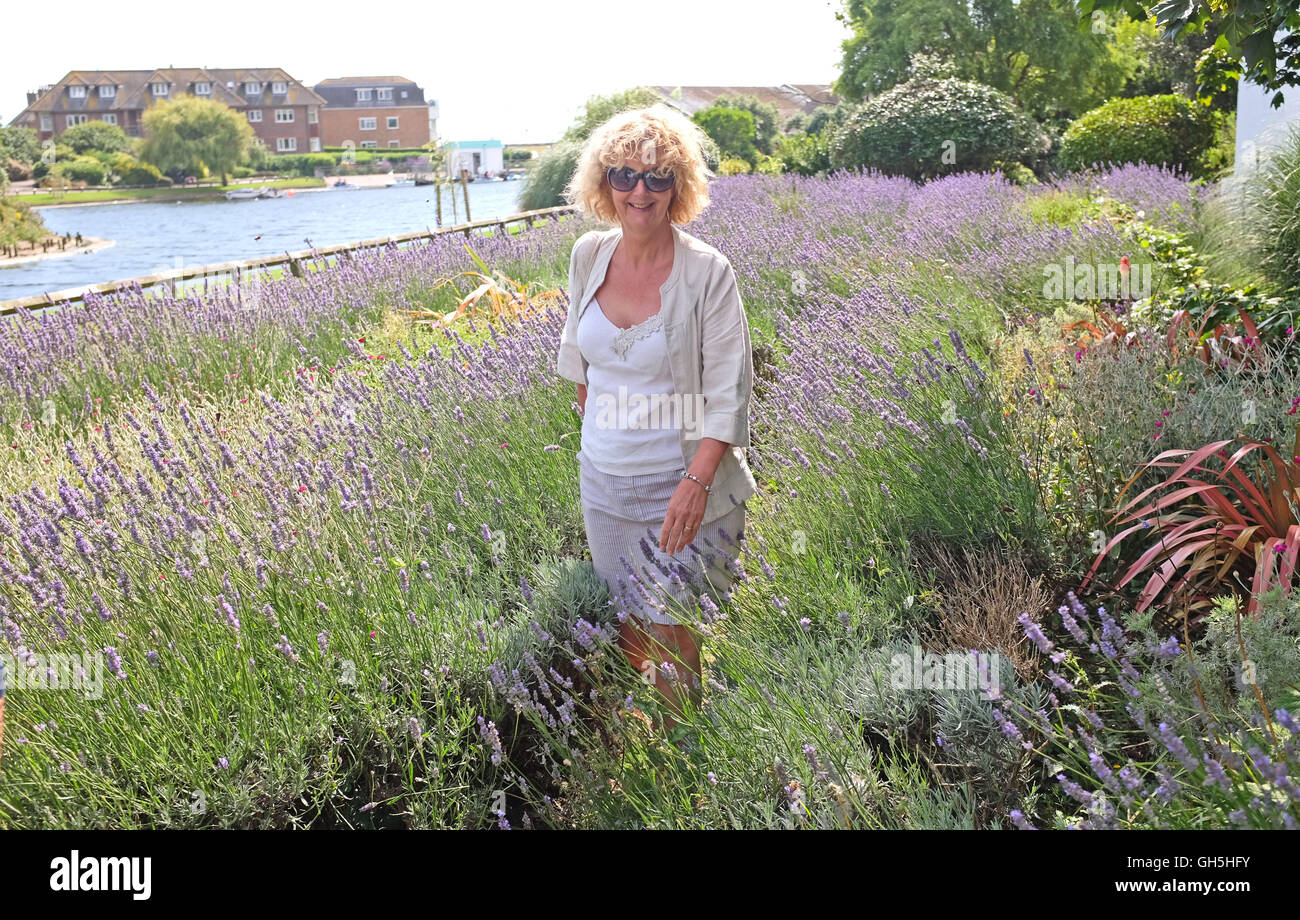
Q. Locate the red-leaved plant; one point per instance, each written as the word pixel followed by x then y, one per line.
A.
pixel 1213 527
pixel 1219 346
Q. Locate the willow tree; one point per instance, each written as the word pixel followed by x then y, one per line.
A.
pixel 188 135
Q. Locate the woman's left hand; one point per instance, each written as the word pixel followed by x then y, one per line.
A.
pixel 684 516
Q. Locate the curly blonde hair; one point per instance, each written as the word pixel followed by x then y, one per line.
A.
pixel 659 136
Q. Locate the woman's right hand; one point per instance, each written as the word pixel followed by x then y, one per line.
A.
pixel 582 399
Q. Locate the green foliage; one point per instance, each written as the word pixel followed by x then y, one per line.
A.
pixel 544 185
pixel 83 169
pixel 1040 52
pixel 19 223
pixel 18 142
pixel 1169 130
pixel 924 128
pixel 300 164
pixel 193 136
pixel 733 166
pixel 733 130
pixel 805 154
pixel 1254 40
pixel 765 115
pixel 817 121
pixel 1274 195
pixel 131 171
pixel 1017 173
pixel 96 135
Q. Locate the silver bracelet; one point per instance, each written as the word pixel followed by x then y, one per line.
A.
pixel 707 488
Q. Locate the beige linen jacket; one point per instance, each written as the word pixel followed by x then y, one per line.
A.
pixel 709 354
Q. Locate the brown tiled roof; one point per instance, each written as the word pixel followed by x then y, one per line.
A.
pixel 134 91
pixel 789 99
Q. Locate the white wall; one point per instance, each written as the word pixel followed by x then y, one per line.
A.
pixel 1259 125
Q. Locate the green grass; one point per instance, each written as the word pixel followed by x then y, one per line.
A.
pixel 175 193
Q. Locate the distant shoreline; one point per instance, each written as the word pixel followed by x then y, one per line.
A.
pixel 90 244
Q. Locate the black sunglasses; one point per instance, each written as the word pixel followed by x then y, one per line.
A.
pixel 625 180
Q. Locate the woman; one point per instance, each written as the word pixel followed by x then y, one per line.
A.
pixel 657 341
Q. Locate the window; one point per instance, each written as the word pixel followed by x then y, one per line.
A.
pixel 252 89
pixel 403 94
pixel 394 143
pixel 370 143
pixel 203 89
pixel 254 114
pixel 392 121
pixel 107 92
pixel 279 87
pixel 76 92
pixel 367 124
pixel 315 145
pixel 75 120
pixel 363 95
pixel 47 122
pixel 385 93
pixel 311 115
pixel 160 89
pixel 286 144
pixel 283 115
pixel 108 118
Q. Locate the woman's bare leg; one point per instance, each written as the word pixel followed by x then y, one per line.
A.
pixel 646 646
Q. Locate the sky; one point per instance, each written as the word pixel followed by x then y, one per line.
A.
pixel 517 71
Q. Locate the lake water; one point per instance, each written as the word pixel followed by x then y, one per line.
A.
pixel 151 237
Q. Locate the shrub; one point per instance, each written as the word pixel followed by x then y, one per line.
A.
pixel 1160 130
pixel 1274 194
pixel 135 172
pixel 805 154
pixel 242 172
pixel 544 185
pixel 733 166
pixel 84 169
pixel 923 128
pixel 16 170
pixel 96 135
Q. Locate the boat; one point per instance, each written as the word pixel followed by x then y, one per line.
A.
pixel 271 193
pixel 243 194
pixel 344 185
pixel 424 180
pixel 397 182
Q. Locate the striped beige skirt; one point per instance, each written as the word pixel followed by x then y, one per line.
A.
pixel 624 516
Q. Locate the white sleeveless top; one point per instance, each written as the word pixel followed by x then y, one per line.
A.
pixel 630 425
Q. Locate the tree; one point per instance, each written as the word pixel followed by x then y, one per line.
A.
pixel 18 142
pixel 190 135
pixel 96 135
pixel 765 115
pixel 1032 50
pixel 1258 40
pixel 731 129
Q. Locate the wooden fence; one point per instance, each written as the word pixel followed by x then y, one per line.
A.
pixel 294 261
